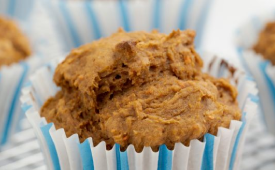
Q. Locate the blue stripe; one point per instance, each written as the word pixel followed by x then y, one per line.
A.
pixel 14 103
pixel 201 22
pixel 184 10
pixel 94 21
pixel 68 19
pixel 165 158
pixel 207 161
pixel 86 155
pixel 11 7
pixel 124 15
pixel 121 159
pixel 117 148
pixel 254 98
pixel 46 133
pixel 50 7
pixel 156 15
pixel 270 85
pixel 25 107
pixel 235 147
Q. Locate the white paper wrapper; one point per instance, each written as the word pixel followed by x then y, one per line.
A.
pixel 261 69
pixel 219 152
pixel 80 22
pixel 13 77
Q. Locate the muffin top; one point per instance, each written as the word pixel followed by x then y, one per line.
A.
pixel 266 42
pixel 14 46
pixel 144 89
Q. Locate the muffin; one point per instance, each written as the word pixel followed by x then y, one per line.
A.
pixel 14 46
pixel 141 89
pixel 140 101
pixel 266 42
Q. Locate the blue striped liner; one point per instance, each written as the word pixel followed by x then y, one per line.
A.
pixel 184 11
pixel 208 157
pixel 68 19
pixel 124 15
pixel 201 22
pixel 156 15
pixel 262 67
pixel 235 147
pixel 249 77
pixel 86 155
pixel 14 102
pixel 93 18
pixel 46 133
pixel 121 159
pixel 165 158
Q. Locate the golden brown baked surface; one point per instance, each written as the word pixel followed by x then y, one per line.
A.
pixel 139 88
pixel 266 42
pixel 14 46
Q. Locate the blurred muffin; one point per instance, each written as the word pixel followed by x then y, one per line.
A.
pixel 144 89
pixel 14 46
pixel 266 42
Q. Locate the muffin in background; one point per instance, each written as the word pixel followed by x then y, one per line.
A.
pixel 14 45
pixel 20 55
pixel 266 42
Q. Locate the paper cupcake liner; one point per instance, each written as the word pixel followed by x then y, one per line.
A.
pixel 13 77
pixel 80 22
pixel 261 69
pixel 219 152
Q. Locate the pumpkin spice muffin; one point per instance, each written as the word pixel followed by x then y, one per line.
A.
pixel 14 46
pixel 266 42
pixel 144 89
